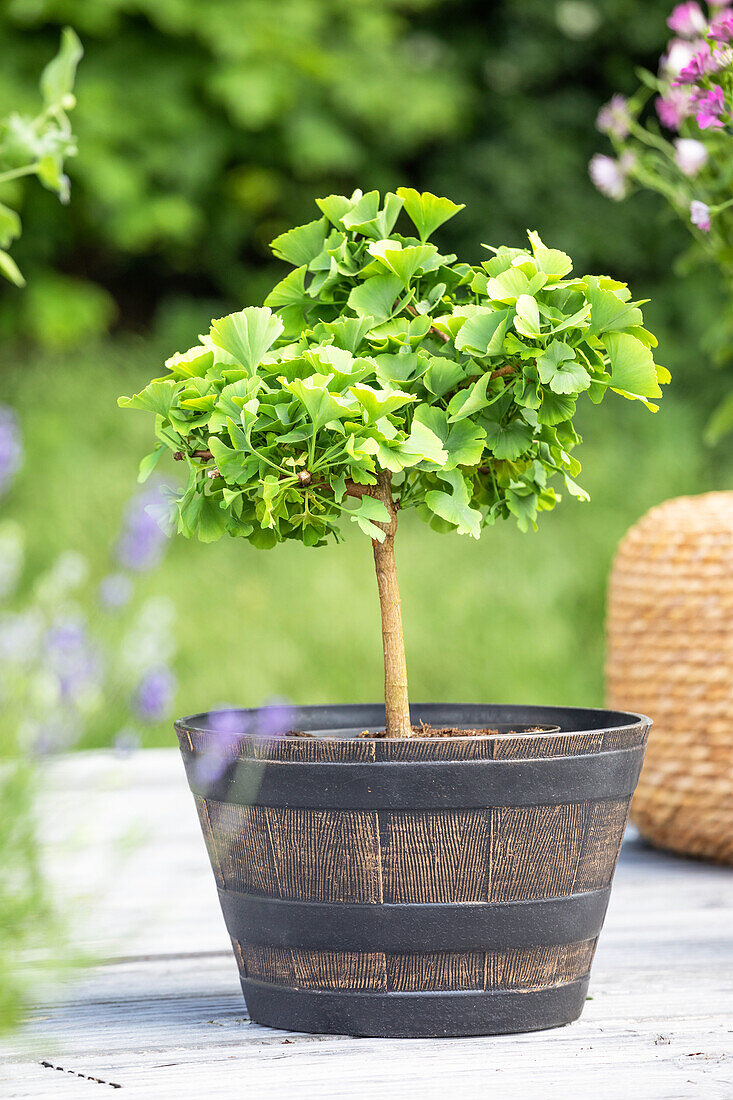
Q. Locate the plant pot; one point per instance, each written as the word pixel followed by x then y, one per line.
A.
pixel 421 887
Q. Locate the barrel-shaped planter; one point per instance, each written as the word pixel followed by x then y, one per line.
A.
pixel 426 887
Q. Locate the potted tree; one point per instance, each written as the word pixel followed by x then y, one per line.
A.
pixel 388 870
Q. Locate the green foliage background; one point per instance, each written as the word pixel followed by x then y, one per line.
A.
pixel 208 128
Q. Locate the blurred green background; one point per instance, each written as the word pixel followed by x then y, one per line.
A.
pixel 205 129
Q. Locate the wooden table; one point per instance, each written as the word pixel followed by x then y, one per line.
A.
pixel 161 1015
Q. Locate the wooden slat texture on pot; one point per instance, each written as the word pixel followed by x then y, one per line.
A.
pixel 316 969
pixel 436 970
pixel 501 854
pixel 535 850
pixel 606 824
pixel 624 738
pixel 435 856
pixel 538 967
pixel 363 749
pixel 314 855
pixel 530 968
pixel 533 747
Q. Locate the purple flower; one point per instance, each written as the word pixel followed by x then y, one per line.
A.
pixel 679 54
pixel 701 64
pixel 141 544
pixel 722 31
pixel 710 106
pixel 154 694
pixel 229 724
pixel 688 20
pixel 690 155
pixel 700 215
pixel 609 176
pixel 674 107
pixel 276 718
pixel 115 591
pixel 613 118
pixel 11 447
pixel 71 656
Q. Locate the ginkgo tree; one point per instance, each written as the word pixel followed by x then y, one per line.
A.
pixel 381 375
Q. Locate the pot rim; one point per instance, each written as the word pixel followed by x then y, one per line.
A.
pixel 607 720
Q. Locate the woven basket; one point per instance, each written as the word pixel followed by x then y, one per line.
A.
pixel 670 655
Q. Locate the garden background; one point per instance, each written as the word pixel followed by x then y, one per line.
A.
pixel 204 131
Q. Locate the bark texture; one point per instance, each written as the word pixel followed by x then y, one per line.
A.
pixel 396 701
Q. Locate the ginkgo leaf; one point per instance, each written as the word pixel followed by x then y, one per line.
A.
pixel 443 374
pixel 192 363
pixel 376 297
pixel 507 286
pixel 483 333
pixel 403 261
pixel 427 212
pixel 157 397
pixel 558 368
pixel 370 512
pixel 507 441
pixel 321 405
pixel 290 291
pixel 425 445
pixel 301 245
pixel 454 507
pixel 527 318
pixel 365 216
pixel 378 403
pixel 632 365
pixel 247 335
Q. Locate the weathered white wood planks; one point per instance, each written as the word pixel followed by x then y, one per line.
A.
pixel 162 1015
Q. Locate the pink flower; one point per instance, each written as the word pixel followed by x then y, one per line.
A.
pixel 690 155
pixel 687 20
pixel 679 54
pixel 674 107
pixel 710 107
pixel 701 64
pixel 613 117
pixel 700 215
pixel 609 176
pixel 722 31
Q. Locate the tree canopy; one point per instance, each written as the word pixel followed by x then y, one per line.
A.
pixel 378 354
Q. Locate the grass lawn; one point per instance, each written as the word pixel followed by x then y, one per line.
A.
pixel 515 618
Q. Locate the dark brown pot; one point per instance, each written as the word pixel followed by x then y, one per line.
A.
pixel 425 887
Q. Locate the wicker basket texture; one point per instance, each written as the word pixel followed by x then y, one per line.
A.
pixel 670 655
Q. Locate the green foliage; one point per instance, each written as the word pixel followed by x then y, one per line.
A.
pixel 382 354
pixel 504 595
pixel 38 146
pixel 29 919
pixel 209 127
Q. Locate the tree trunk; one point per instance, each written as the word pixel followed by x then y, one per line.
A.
pixel 396 703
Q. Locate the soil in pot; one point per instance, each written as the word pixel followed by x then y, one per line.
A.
pixel 424 730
